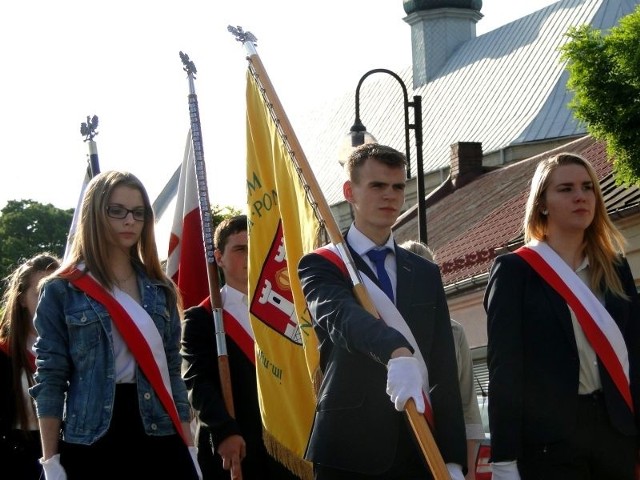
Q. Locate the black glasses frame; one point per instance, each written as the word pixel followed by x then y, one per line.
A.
pixel 119 212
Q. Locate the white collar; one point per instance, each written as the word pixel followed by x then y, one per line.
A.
pixel 362 244
pixel 232 295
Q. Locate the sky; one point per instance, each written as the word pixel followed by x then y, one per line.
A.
pixel 119 60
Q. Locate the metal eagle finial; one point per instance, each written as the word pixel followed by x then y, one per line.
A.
pixel 189 66
pixel 89 129
pixel 242 36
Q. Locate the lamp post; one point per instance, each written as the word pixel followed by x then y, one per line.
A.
pixel 358 135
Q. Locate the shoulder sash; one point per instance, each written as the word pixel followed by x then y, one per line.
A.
pixel 234 329
pixel 31 358
pixel 600 329
pixel 135 341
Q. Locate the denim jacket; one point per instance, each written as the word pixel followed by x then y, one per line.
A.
pixel 75 360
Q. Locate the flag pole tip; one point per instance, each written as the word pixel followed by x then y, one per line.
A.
pixel 241 35
pixel 189 66
pixel 89 129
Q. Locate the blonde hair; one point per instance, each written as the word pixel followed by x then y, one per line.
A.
pixel 418 248
pixel 90 245
pixel 603 242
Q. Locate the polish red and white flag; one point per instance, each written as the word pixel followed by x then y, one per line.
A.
pixel 186 263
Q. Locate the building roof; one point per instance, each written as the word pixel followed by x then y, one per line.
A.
pixel 504 88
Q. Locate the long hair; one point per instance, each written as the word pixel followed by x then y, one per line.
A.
pixel 603 242
pixel 16 324
pixel 90 242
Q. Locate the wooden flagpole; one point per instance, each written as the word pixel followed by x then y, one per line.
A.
pixel 207 234
pixel 417 421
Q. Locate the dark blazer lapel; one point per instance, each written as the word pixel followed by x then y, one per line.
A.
pixel 404 278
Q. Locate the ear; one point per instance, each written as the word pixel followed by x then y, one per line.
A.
pixel 347 191
pixel 217 254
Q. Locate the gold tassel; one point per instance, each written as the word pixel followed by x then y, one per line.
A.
pixel 286 457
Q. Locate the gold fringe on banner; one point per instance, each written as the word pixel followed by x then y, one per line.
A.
pixel 294 463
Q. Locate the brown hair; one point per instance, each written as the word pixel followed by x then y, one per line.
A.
pixel 226 228
pixel 16 323
pixel 382 153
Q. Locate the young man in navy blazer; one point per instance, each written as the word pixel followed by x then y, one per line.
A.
pixel 370 369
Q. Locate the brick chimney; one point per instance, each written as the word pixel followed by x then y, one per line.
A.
pixel 466 162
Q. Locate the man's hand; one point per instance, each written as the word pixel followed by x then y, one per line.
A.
pixel 233 449
pixel 404 381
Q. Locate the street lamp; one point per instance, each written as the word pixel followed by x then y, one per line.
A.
pixel 358 135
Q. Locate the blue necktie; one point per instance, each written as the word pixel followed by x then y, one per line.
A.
pixel 378 257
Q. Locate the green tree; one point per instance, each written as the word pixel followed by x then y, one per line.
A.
pixel 604 75
pixel 28 227
pixel 219 213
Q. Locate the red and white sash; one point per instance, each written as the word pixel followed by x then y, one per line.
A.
pixel 139 337
pixel 600 329
pixel 235 330
pixel 391 316
pixel 4 346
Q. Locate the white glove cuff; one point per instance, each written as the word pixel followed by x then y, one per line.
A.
pixel 455 471
pixel 399 361
pixel 51 460
pixel 505 470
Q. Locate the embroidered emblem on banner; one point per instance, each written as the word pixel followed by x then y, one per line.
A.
pixel 272 302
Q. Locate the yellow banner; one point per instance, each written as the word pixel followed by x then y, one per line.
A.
pixel 282 227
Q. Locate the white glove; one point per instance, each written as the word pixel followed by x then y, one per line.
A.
pixel 455 471
pixel 404 381
pixel 53 470
pixel 194 458
pixel 504 471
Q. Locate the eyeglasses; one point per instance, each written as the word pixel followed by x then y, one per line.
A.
pixel 116 211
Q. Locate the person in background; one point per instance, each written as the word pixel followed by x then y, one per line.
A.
pixel 20 446
pixel 227 445
pixel 563 347
pixel 108 360
pixel 472 418
pixel 372 366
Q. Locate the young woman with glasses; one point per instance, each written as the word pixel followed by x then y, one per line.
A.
pixel 109 394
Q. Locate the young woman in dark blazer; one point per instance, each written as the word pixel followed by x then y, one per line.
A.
pixel 563 337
